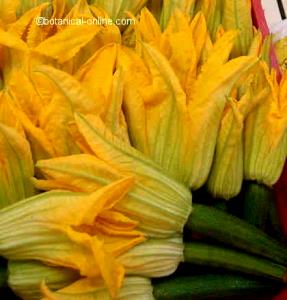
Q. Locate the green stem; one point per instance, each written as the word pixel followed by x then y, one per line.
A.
pixel 214 256
pixel 231 230
pixel 207 286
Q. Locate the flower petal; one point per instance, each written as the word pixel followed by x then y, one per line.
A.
pixel 134 288
pixel 205 109
pixel 66 43
pixel 25 278
pixel 16 167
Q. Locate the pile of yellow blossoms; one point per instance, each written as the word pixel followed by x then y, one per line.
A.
pixel 104 130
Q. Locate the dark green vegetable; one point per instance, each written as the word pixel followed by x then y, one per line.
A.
pixel 221 204
pixel 214 256
pixel 3 277
pixel 257 204
pixel 209 286
pixel 221 226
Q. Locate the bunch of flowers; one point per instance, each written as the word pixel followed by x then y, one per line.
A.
pixel 106 130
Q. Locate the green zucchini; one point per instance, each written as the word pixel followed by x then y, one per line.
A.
pixel 221 226
pixel 215 256
pixel 257 201
pixel 209 286
pixel 3 277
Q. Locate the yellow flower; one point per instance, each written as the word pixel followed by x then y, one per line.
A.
pixel 33 280
pixel 158 205
pixel 81 232
pixel 134 288
pixel 167 87
pixel 265 140
pixel 206 105
pixel 181 93
pixel 33 100
pixel 100 233
pixel 25 278
pixel 109 159
pixel 226 176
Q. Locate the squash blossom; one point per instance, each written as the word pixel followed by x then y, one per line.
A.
pixel 265 137
pixel 181 91
pixel 118 135
pixel 229 15
pixel 32 101
pixel 226 176
pixel 134 288
pixel 86 232
pixel 63 71
pixel 25 278
pixel 108 159
pixel 160 206
pixel 59 228
pixel 30 281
